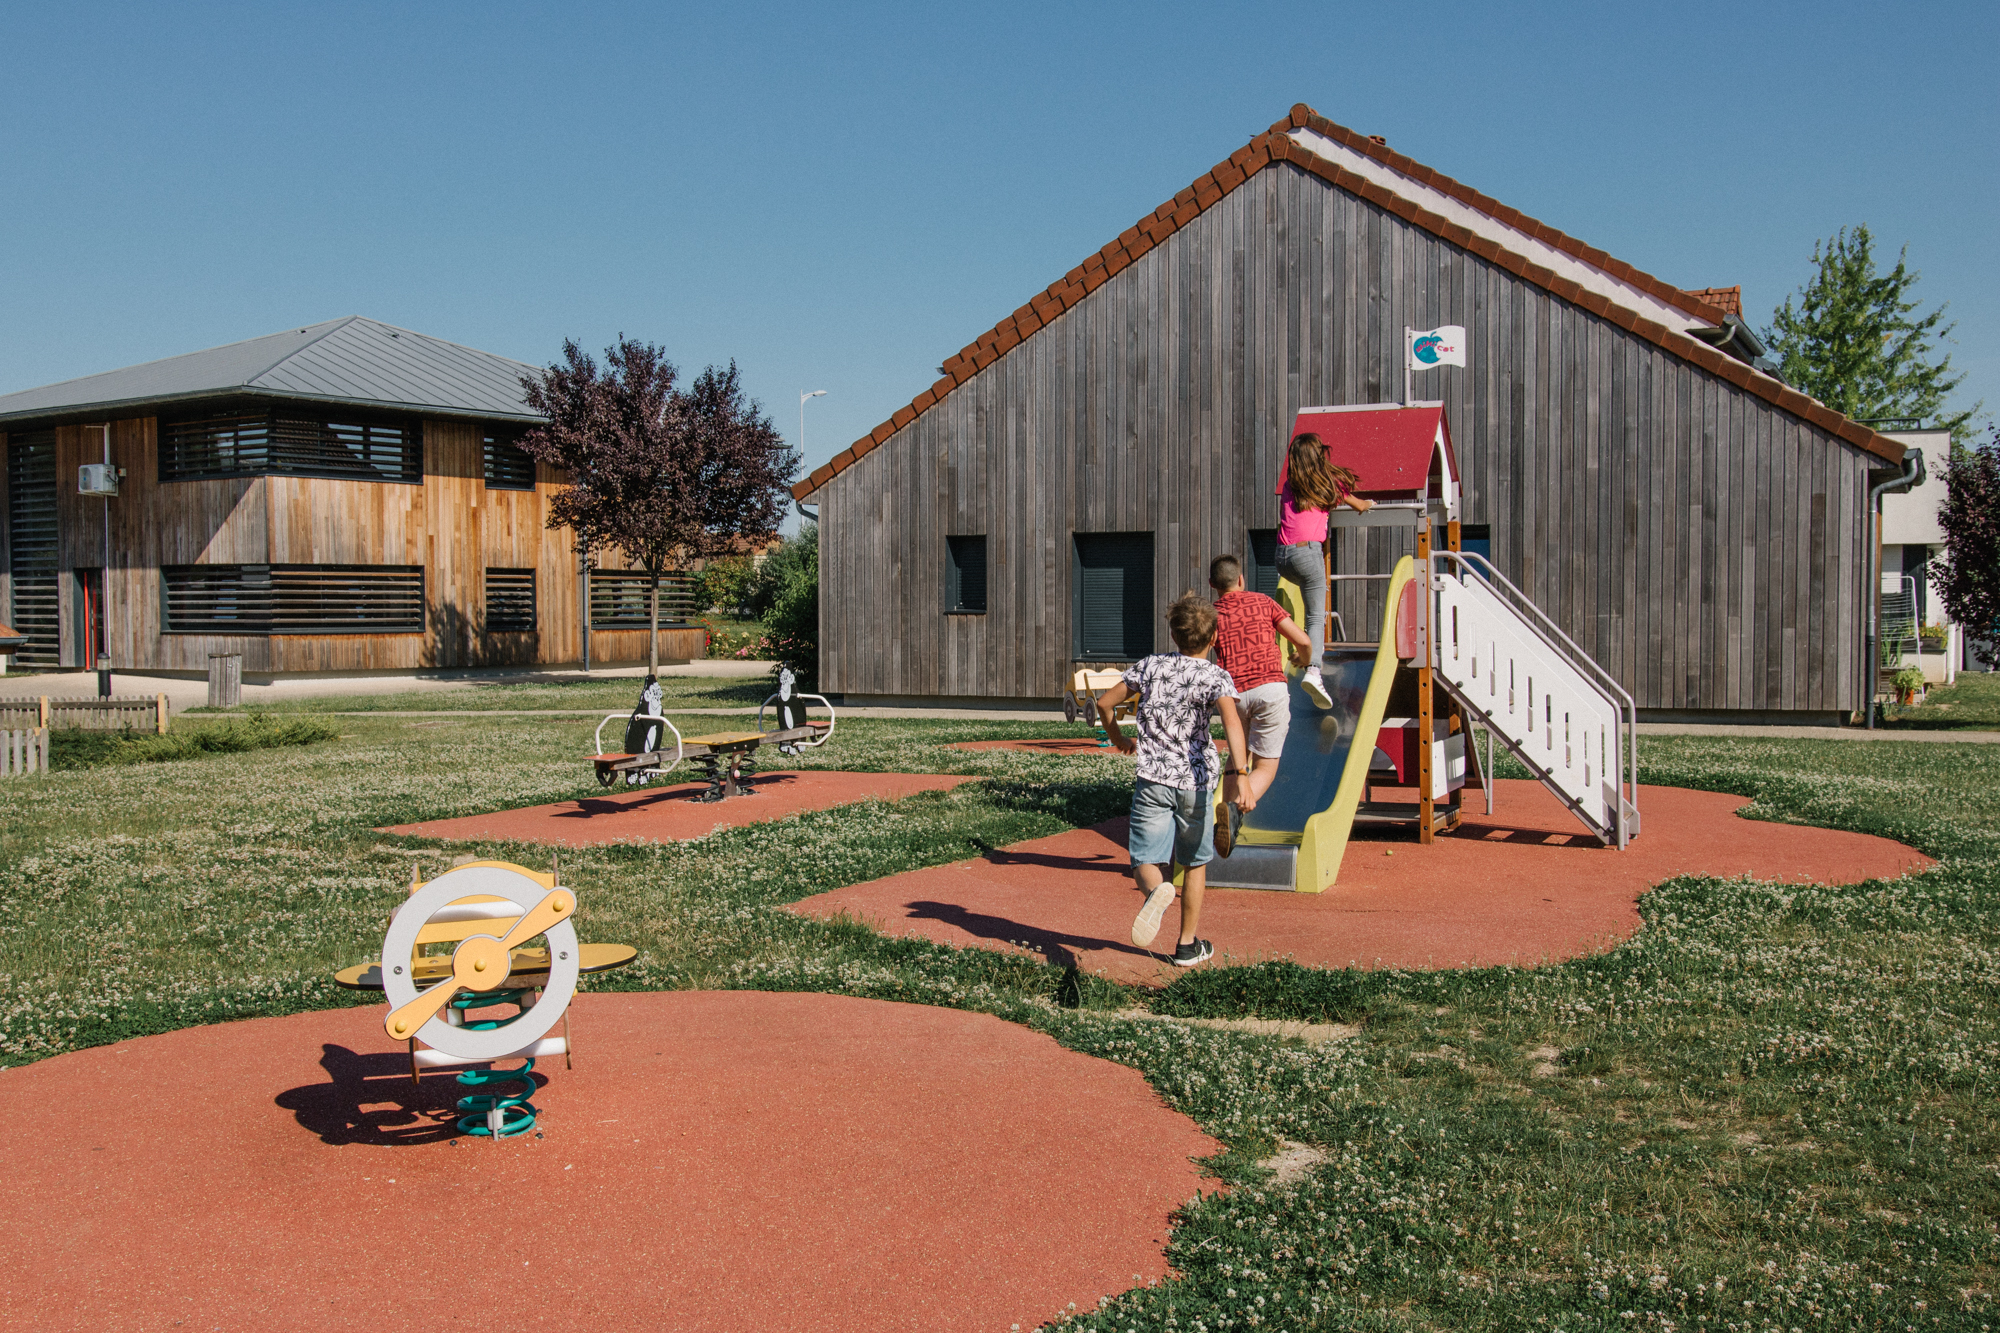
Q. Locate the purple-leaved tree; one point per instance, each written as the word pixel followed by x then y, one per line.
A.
pixel 1968 573
pixel 665 475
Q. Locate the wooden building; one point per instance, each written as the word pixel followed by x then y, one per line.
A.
pixel 338 498
pixel 1628 459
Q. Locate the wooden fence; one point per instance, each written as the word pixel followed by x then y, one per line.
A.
pixel 138 712
pixel 23 752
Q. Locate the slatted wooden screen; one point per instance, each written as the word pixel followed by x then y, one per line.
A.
pixel 507 467
pixel 31 542
pixel 389 449
pixel 510 601
pixel 621 598
pixel 293 599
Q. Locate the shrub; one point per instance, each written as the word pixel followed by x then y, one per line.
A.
pixel 791 625
pixel 782 566
pixel 72 747
pixel 724 583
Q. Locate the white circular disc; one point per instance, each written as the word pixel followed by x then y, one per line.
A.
pixel 464 1042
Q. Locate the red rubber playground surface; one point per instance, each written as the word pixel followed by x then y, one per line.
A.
pixel 1523 886
pixel 715 1161
pixel 671 814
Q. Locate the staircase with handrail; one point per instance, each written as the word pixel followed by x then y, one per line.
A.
pixel 1553 707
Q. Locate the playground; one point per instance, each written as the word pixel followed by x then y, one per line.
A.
pixel 830 1111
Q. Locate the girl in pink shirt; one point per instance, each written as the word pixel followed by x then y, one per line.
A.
pixel 1313 485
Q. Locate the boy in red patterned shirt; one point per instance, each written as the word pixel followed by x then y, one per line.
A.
pixel 1248 626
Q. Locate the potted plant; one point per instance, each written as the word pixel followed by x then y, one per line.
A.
pixel 1907 682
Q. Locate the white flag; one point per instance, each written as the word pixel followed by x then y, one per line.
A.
pixel 1437 347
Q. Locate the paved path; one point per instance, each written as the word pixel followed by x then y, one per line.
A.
pixel 670 814
pixel 183 692
pixel 1523 886
pixel 1819 733
pixel 719 1161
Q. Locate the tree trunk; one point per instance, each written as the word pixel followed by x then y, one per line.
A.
pixel 653 663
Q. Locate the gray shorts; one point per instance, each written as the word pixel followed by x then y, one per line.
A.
pixel 1267 716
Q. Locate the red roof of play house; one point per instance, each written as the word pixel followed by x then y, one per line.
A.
pixel 1389 448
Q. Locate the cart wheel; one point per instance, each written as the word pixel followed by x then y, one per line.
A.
pixel 1090 711
pixel 605 777
pixel 1069 708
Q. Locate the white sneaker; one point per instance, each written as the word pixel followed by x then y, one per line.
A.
pixel 1315 687
pixel 1148 923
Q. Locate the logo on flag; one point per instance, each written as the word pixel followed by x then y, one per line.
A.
pixel 1438 347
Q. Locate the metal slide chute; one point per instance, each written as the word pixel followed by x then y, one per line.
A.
pixel 1298 833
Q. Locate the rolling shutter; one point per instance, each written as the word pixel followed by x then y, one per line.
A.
pixel 1113 597
pixel 965 575
pixel 1262 575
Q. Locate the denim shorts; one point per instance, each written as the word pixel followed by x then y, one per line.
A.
pixel 1171 825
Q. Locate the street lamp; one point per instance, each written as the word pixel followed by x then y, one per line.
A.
pixel 816 393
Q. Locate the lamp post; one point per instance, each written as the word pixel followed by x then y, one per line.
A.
pixel 816 393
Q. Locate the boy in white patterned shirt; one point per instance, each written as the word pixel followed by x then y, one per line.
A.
pixel 1173 811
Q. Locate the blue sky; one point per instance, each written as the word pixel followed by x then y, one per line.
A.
pixel 841 197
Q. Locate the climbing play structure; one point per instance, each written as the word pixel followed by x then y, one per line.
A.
pixel 726 758
pixel 1459 646
pixel 490 912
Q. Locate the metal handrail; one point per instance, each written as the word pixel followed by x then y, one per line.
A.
pixel 1552 634
pixel 831 719
pixel 658 717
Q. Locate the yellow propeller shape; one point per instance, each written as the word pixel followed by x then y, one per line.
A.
pixel 480 963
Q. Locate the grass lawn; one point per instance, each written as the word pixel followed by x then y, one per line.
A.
pixel 1971 703
pixel 1773 1108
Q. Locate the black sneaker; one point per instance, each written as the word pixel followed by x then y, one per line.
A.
pixel 1194 951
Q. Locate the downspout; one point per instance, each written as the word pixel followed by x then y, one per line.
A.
pixel 1911 475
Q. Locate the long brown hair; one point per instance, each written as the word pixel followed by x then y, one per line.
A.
pixel 1316 481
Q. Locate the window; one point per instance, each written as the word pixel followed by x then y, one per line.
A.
pixel 264 444
pixel 507 467
pixel 31 545
pixel 1262 574
pixel 510 601
pixel 965 576
pixel 260 600
pixel 622 599
pixel 1111 602
pixel 1474 538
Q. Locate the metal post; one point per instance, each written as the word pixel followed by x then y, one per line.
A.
pixel 583 601
pixel 1426 807
pixel 1407 367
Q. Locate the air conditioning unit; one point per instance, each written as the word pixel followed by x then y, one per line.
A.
pixel 97 479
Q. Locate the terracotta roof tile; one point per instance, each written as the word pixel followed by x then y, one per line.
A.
pixel 1729 300
pixel 1706 304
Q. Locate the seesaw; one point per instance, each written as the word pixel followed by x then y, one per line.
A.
pixel 726 758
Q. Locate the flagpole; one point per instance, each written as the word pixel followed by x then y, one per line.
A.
pixel 1407 367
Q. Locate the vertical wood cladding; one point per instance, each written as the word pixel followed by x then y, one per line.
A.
pixel 1705 547
pixel 451 525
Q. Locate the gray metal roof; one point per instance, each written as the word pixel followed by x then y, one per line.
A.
pixel 352 360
